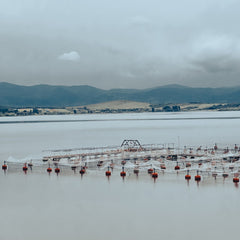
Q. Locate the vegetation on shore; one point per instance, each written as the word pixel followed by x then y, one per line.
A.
pixel 118 107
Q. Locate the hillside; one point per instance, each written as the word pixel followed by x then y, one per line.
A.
pixel 12 95
pixel 122 104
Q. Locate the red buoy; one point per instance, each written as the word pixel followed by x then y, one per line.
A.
pixel 49 169
pixel 235 179
pixel 123 162
pixel 177 167
pixel 154 174
pixel 82 171
pixel 188 164
pixel 123 173
pixel 108 172
pixel 188 176
pixel 197 177
pixel 25 168
pixel 4 166
pixel 57 170
pixel 162 166
pixel 150 170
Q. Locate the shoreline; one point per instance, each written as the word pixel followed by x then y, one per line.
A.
pixel 118 107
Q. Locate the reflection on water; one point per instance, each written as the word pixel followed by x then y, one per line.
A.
pixel 38 206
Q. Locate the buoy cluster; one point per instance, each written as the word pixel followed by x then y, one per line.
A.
pixel 151 171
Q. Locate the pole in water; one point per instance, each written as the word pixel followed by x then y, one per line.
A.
pixel 85 166
pixel 112 165
pixel 74 168
pixel 214 174
pixel 178 145
pixel 30 164
pixel 136 171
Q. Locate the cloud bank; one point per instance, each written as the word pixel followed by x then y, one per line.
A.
pixel 216 54
pixel 127 44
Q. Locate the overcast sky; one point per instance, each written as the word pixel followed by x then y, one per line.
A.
pixel 120 43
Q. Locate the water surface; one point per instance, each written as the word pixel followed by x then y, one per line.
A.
pixel 38 206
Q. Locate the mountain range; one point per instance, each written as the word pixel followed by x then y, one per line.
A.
pixel 13 95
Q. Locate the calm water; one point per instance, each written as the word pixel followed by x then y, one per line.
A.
pixel 38 206
pixel 28 137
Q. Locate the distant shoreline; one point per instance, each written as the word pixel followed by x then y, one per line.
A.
pixel 118 107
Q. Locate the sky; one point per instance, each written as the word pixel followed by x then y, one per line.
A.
pixel 120 44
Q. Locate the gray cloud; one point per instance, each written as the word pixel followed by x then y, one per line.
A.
pixel 216 54
pixel 111 44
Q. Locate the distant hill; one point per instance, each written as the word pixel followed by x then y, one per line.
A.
pixel 63 96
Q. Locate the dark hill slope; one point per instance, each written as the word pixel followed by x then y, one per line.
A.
pixel 61 96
